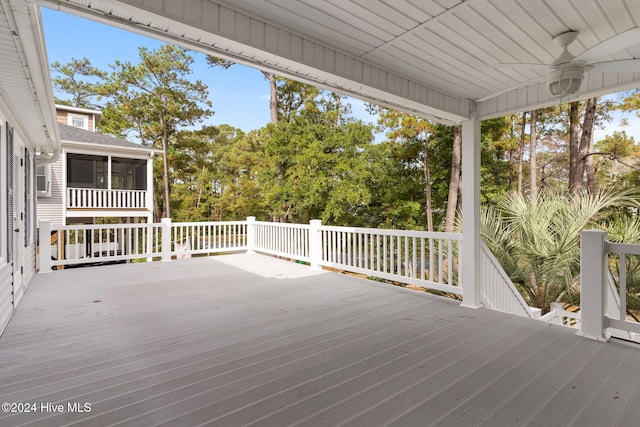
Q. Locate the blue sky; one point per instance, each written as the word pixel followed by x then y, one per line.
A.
pixel 240 95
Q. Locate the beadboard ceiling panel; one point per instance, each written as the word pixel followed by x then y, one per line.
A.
pixel 430 57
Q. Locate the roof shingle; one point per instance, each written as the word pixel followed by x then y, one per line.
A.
pixel 70 133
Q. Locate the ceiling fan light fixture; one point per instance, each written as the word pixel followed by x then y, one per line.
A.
pixel 565 81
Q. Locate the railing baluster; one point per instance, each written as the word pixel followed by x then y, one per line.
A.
pixel 449 262
pixel 622 278
pixel 422 259
pixel 431 260
pixel 440 264
pixel 392 269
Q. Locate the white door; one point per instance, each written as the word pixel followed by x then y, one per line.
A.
pixel 7 189
pixel 18 226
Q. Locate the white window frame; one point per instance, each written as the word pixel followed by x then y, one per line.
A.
pixel 85 119
pixel 47 178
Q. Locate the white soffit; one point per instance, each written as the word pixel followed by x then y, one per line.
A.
pixel 26 95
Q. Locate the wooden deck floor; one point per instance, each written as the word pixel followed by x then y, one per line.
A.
pixel 253 341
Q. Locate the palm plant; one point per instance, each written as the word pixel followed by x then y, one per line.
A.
pixel 537 240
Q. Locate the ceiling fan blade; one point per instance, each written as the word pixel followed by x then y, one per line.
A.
pixel 531 82
pixel 521 66
pixel 620 66
pixel 611 45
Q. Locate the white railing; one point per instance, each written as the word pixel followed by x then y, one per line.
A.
pixel 619 324
pixel 599 294
pixel 414 257
pixel 208 237
pixel 497 291
pixel 98 243
pixel 427 259
pixel 95 198
pixel 281 239
pixel 559 316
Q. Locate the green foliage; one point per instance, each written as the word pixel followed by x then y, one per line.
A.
pixel 78 80
pixel 630 102
pixel 618 144
pixel 315 170
pixel 537 240
pixel 154 100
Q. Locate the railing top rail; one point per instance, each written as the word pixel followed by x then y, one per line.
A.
pixel 206 223
pixel 282 224
pixel 101 226
pixel 142 225
pixel 104 189
pixel 392 232
pixel 623 248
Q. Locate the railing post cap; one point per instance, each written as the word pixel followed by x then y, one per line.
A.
pixel 315 222
pixel 594 232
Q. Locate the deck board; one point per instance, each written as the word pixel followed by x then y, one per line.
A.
pixel 251 340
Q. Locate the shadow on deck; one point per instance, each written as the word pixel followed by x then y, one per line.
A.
pixel 248 339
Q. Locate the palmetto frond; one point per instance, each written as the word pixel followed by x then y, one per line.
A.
pixel 538 240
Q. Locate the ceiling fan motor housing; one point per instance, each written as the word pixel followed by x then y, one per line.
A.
pixel 565 80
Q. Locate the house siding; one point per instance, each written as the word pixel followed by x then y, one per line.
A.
pixel 51 207
pixel 63 117
pixel 6 294
pixel 29 265
pixel 27 124
pixel 17 265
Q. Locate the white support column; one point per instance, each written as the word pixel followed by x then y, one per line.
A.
pixel 315 244
pixel 44 238
pixel 166 240
pixel 109 172
pixel 150 228
pixel 149 195
pixel 593 271
pixel 251 234
pixel 471 274
pixel 65 186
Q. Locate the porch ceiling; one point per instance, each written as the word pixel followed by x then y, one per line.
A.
pixel 431 57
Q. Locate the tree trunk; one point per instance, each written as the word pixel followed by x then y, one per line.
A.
pixel 521 154
pixel 165 175
pixel 273 96
pixel 454 180
pixel 575 183
pixel 338 98
pixel 533 142
pixel 427 186
pixel 585 140
pixel 156 208
pixel 590 168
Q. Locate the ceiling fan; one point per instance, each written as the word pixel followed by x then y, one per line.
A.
pixel 565 74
